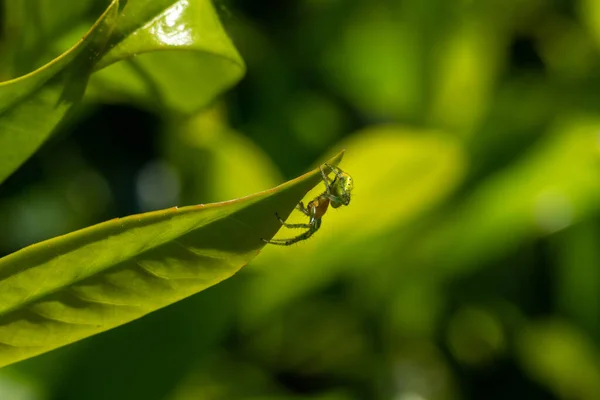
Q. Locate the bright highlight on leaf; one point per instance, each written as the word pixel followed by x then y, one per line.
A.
pixel 65 289
pixel 31 106
pixel 160 54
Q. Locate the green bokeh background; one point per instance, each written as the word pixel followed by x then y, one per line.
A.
pixel 467 265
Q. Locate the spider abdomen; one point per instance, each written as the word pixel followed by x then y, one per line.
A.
pixel 318 207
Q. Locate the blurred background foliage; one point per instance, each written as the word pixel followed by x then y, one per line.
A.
pixel 467 265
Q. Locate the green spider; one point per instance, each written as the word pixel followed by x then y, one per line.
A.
pixel 337 192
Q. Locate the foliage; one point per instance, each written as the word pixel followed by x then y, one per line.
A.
pixel 466 266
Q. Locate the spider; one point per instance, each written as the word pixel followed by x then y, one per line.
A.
pixel 337 192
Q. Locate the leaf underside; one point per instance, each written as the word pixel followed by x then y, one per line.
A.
pixel 65 289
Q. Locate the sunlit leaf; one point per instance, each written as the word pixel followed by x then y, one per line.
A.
pixel 32 106
pixel 590 14
pixel 399 175
pixel 176 54
pixel 375 50
pixel 562 358
pixel 553 186
pixel 64 289
pixel 464 75
pixel 167 54
pixel 187 331
pixel 216 162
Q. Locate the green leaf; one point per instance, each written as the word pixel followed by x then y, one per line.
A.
pixel 207 152
pixel 555 185
pixel 165 54
pixel 561 357
pixel 376 50
pixel 74 286
pixel 31 27
pixel 188 331
pixel 176 54
pixel 589 11
pixel 31 106
pixel 577 287
pixel 400 174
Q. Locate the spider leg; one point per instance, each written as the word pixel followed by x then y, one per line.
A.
pixel 303 236
pixel 307 226
pixel 333 198
pixel 300 207
pixel 280 242
pixel 326 178
pixel 335 170
pixel 290 241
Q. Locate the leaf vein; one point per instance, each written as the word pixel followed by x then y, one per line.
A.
pixel 101 302
pixel 147 270
pixel 62 321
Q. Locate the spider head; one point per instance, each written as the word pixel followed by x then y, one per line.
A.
pixel 342 187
